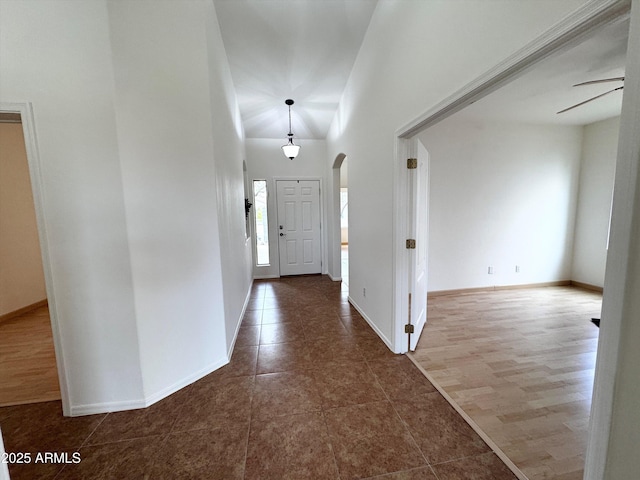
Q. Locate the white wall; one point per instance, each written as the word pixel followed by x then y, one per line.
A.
pixel 22 279
pixel 265 161
pixel 600 146
pixel 163 105
pixel 57 56
pixel 614 430
pixel 139 139
pixel 228 150
pixel 414 54
pixel 344 174
pixel 502 194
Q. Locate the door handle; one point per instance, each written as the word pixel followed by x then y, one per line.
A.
pixel 283 234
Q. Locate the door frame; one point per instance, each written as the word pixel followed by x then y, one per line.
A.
pixel 334 261
pixel 564 35
pixel 323 220
pixel 404 148
pixel 35 172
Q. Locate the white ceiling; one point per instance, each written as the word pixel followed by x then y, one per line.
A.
pixel 305 50
pixel 298 49
pixel 547 88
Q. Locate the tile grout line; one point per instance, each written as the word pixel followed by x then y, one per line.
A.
pixel 323 411
pixel 84 442
pixel 333 453
pixel 253 392
pixel 404 424
pixel 246 447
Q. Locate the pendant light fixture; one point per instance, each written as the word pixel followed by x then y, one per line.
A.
pixel 290 149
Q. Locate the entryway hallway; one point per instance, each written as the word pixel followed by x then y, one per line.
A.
pixel 311 393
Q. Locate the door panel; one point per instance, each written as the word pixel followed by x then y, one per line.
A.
pixel 290 217
pixel 420 223
pixel 307 248
pixel 299 226
pixel 307 216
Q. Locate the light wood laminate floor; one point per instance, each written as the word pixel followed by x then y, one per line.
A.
pixel 520 364
pixel 28 372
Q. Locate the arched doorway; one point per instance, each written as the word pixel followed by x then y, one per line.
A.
pixel 340 240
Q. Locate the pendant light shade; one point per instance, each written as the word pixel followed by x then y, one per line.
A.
pixel 290 149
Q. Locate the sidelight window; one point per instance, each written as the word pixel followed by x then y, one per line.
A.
pixel 262 222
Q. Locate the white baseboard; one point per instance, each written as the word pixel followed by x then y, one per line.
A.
pixel 148 400
pixel 165 392
pixel 106 407
pixel 239 323
pixel 387 342
pixel 493 288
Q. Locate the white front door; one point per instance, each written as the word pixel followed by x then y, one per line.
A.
pixel 419 222
pixel 299 237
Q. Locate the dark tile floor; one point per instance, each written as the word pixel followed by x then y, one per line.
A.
pixel 310 393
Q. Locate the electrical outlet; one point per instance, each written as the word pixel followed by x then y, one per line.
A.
pixel 517 268
pixel 490 271
pixel 364 292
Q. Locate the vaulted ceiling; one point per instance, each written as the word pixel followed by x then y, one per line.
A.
pixel 298 49
pixel 305 50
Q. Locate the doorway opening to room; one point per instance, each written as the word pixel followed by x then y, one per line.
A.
pixel 344 224
pixel 511 217
pixel 339 243
pixel 29 371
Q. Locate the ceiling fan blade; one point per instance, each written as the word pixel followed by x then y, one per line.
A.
pixel 604 80
pixel 591 99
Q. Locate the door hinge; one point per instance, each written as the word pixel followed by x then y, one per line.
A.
pixel 412 163
pixel 411 243
pixel 408 328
